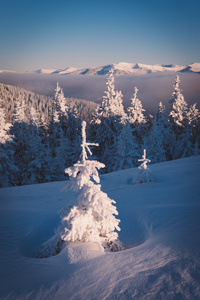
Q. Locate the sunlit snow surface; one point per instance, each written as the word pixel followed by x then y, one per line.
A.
pixel 160 227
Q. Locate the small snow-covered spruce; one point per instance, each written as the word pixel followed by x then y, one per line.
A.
pixel 144 174
pixel 92 220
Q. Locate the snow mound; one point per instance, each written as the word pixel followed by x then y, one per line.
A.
pixel 78 251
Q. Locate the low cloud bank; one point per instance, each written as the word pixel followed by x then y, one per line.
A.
pixel 153 88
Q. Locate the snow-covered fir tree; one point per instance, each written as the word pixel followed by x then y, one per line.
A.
pixel 19 114
pixel 58 146
pixel 71 130
pixel 63 135
pixel 193 120
pixel 184 144
pixel 178 113
pixel 155 143
pixel 7 167
pixel 92 220
pixel 127 150
pixel 161 140
pixel 161 115
pixel 193 115
pixel 135 110
pixel 107 123
pixel 59 99
pixel 136 116
pixel 38 159
pixel 21 147
pixel 166 133
pixel 112 103
pixel 5 136
pixel 119 107
pixel 144 174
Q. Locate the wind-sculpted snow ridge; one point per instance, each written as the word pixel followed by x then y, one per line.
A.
pixel 160 228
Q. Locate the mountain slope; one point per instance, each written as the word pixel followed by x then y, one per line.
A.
pixel 121 68
pixel 160 228
pixel 124 68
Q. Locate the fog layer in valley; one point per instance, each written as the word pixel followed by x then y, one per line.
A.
pixel 153 88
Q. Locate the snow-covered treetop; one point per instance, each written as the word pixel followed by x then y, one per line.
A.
pixel 85 145
pixel 84 169
pixel 4 128
pixel 33 116
pixel 160 116
pixel 59 101
pixel 193 114
pixel 20 107
pixel 110 92
pixel 161 109
pixel 179 106
pixel 112 104
pixel 177 91
pixel 135 111
pixel 118 108
pixel 144 161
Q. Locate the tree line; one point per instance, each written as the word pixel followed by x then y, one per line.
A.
pixel 37 145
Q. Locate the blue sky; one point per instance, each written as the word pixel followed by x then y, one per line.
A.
pixel 57 34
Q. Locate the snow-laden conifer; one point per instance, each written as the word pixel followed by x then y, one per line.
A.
pixel 160 142
pixel 178 113
pixel 193 115
pixel 19 115
pixel 92 220
pixel 135 110
pixel 155 143
pixel 144 174
pixel 60 101
pixel 5 136
pixel 7 166
pixel 184 144
pixel 21 147
pixel 126 149
pixel 112 103
pixel 107 122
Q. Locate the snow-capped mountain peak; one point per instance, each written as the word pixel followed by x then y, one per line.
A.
pixel 121 68
pixel 124 68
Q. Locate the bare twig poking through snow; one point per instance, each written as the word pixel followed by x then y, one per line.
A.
pixel 144 174
pixel 92 220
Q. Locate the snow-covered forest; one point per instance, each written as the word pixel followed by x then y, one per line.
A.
pixel 41 136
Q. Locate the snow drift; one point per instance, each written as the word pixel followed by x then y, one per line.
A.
pixel 160 228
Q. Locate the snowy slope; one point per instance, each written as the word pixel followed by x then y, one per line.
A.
pixel 194 68
pixel 160 227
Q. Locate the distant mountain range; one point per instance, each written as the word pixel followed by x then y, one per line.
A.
pixel 121 68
